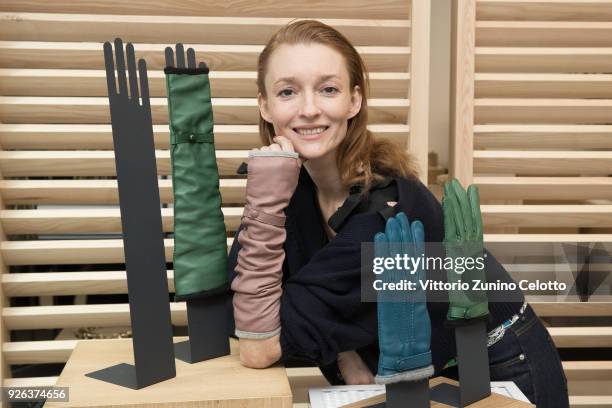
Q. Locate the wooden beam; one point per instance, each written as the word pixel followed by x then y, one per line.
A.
pixel 543 163
pixel 420 70
pixel 594 60
pixel 538 85
pixel 544 33
pixel 19 136
pixel 87 55
pixel 462 90
pixel 545 10
pixel 223 84
pixel 88 221
pixel 545 111
pixel 40 192
pixel 163 28
pixel 63 252
pixel 390 9
pixel 95 163
pixel 545 188
pixel 232 111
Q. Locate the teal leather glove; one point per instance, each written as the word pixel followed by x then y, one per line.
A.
pixel 404 327
pixel 200 246
pixel 463 238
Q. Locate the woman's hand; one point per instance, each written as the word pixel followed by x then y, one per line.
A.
pixel 353 369
pixel 281 144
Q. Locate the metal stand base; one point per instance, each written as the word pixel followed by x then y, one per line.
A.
pixel 124 375
pixel 446 394
pixel 407 393
pixel 473 362
pixel 207 324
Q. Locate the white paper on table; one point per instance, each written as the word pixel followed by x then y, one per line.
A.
pixel 337 396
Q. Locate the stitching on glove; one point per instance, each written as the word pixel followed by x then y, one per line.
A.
pixel 257 215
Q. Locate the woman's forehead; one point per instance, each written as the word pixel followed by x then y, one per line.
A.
pixel 305 61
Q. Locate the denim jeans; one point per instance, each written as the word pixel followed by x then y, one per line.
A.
pixel 527 356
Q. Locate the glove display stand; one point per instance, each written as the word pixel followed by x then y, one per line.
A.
pixel 417 392
pixel 207 327
pixel 221 382
pixel 473 367
pixel 468 309
pixel 200 250
pixel 438 387
pixel 141 222
pixel 473 362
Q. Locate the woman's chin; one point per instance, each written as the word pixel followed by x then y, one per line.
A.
pixel 308 153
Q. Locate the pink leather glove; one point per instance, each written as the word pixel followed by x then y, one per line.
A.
pixel 272 179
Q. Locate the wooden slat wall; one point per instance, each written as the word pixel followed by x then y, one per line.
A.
pixel 532 128
pixel 61 216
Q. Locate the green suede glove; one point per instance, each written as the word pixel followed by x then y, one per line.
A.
pixel 200 246
pixel 463 239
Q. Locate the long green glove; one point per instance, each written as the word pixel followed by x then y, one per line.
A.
pixel 200 245
pixel 463 238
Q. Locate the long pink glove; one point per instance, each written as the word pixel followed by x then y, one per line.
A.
pixel 272 179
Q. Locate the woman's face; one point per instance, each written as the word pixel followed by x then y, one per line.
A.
pixel 309 100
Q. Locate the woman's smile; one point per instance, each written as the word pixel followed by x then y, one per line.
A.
pixel 310 133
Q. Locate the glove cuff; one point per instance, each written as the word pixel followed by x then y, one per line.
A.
pixel 412 375
pixel 257 336
pixel 187 71
pixel 456 312
pixel 273 153
pixel 400 364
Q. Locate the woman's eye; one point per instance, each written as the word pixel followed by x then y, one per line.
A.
pixel 330 90
pixel 285 92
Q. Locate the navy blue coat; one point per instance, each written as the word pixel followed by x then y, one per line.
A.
pixel 321 309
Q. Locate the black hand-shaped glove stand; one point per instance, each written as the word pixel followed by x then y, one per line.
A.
pixel 143 243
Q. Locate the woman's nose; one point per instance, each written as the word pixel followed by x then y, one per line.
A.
pixel 310 106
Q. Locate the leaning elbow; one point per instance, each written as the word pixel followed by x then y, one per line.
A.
pixel 252 359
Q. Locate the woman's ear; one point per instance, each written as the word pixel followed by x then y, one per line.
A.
pixel 356 98
pixel 263 108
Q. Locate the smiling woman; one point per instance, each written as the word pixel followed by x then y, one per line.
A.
pixel 312 87
pixel 319 187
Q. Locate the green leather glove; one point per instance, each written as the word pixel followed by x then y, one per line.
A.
pixel 463 238
pixel 200 246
